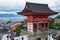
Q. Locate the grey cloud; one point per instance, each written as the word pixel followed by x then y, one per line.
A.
pixel 10 5
pixel 55 5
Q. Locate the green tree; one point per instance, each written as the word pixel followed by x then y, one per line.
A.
pixel 58 17
pixel 18 29
pixel 51 23
pixel 7 22
pixel 57 25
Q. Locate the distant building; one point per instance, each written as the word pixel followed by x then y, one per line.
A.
pixel 57 20
pixel 13 27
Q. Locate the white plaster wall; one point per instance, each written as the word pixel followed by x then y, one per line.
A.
pixel 30 26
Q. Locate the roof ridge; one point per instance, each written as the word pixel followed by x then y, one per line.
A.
pixel 36 3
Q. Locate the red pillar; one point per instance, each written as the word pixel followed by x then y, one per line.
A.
pixel 37 26
pixel 48 25
pixel 44 27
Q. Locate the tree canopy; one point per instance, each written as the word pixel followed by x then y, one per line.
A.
pixel 51 23
pixel 57 25
pixel 18 29
pixel 58 17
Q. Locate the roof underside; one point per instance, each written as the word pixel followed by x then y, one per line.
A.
pixel 38 8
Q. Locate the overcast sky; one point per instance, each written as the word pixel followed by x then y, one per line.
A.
pixel 13 6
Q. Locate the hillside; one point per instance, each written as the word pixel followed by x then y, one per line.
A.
pixel 9 15
pixel 58 17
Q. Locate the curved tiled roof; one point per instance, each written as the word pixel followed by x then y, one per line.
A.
pixel 38 8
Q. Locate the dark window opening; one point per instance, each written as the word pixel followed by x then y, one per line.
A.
pixel 42 25
pixel 46 24
pixel 35 27
pixel 39 26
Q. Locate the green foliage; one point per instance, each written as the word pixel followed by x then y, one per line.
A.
pixel 8 22
pixel 22 22
pixel 57 25
pixel 18 29
pixel 51 24
pixel 58 17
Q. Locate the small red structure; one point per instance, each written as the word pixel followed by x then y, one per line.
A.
pixel 37 16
